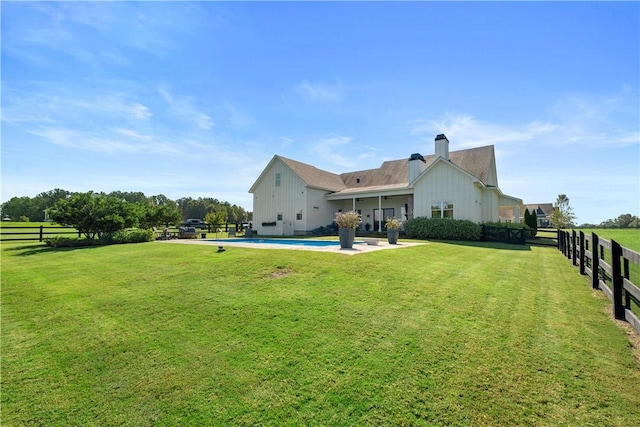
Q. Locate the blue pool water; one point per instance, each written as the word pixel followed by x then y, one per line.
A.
pixel 295 242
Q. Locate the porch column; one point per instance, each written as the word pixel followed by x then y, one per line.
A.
pixel 379 214
pixel 516 213
pixel 354 204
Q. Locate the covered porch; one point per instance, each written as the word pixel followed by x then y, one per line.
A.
pixel 375 205
pixel 511 209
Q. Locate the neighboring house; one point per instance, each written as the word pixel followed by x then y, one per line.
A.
pixel 543 212
pixel 292 198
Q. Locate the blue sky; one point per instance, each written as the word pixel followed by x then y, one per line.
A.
pixel 192 99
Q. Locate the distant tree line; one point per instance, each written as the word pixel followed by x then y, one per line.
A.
pixel 623 221
pixel 563 217
pixel 155 208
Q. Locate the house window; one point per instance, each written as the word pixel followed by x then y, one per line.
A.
pixel 299 216
pixel 448 210
pixel 442 209
pixel 279 217
pixel 436 210
pixel 277 180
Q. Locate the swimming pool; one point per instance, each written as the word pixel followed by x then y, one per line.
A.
pixel 294 242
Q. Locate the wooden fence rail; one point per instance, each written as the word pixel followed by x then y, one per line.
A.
pixel 32 233
pixel 610 267
pixel 491 233
pixel 16 233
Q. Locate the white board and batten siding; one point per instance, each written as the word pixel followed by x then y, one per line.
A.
pixel 449 184
pixel 318 212
pixel 288 199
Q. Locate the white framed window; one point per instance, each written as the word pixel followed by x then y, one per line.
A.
pixel 442 209
pixel 299 216
pixel 279 217
pixel 277 180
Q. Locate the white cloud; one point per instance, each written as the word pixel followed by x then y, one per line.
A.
pixel 184 108
pixel 466 131
pixel 286 141
pixel 139 111
pixel 319 92
pixel 108 142
pixel 237 118
pixel 574 119
pixel 326 149
pixel 340 151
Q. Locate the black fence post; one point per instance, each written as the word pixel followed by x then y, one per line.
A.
pixel 574 247
pixel 560 245
pixel 582 255
pixel 627 296
pixel 616 254
pixel 595 262
pixel 41 228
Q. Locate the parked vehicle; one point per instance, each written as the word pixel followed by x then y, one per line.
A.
pixel 197 223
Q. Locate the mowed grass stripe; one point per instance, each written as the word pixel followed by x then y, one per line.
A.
pixel 438 334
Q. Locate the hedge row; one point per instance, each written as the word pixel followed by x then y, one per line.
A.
pixel 442 229
pixel 117 237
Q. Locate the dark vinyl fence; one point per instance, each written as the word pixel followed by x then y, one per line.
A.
pixel 610 267
pixel 37 233
pixel 545 237
pixel 40 233
pixel 491 233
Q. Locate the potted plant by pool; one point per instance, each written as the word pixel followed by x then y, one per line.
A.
pixel 347 223
pixel 393 230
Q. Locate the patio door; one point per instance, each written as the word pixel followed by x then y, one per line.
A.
pixel 386 213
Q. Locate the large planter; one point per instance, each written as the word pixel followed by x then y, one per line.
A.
pixel 347 236
pixel 392 236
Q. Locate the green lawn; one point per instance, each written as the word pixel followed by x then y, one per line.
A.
pixel 629 237
pixel 439 334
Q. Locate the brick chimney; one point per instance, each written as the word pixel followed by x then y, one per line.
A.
pixel 442 146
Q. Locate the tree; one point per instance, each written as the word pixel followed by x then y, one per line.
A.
pixel 94 214
pixel 562 216
pixel 217 218
pixel 625 220
pixel 18 208
pixel 531 221
pixel 154 215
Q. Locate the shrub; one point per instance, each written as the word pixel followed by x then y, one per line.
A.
pixel 393 223
pixel 70 242
pixel 349 219
pixel 117 237
pixel 329 230
pixel 130 236
pixel 442 229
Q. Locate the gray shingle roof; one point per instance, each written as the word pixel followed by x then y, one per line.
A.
pixel 315 177
pixel 392 173
pixel 541 208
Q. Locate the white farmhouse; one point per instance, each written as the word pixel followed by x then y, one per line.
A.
pixel 291 198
